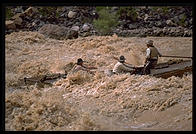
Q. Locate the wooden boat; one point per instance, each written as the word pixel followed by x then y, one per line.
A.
pixel 45 79
pixel 172 68
pixel 164 70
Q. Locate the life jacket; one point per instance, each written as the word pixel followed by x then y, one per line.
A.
pixel 153 53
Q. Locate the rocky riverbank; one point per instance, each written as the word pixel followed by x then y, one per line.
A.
pixel 74 21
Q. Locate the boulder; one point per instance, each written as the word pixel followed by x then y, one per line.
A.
pixel 18 20
pixel 53 31
pixel 72 34
pixel 132 26
pixel 95 15
pixel 21 15
pixel 172 31
pixel 157 32
pixel 61 9
pixel 175 19
pixel 75 28
pixel 115 8
pixel 36 22
pixel 85 27
pixel 146 17
pixel 187 33
pixel 18 9
pixel 10 25
pixel 159 23
pixel 30 11
pixel 165 30
pixel 71 14
pixel 190 21
pixel 186 23
pixel 170 23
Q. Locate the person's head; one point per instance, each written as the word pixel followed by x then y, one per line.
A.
pixel 122 59
pixel 80 61
pixel 149 43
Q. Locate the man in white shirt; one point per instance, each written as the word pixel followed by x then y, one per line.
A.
pixel 122 67
pixel 151 57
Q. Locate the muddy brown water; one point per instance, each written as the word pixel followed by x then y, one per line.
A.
pixel 94 102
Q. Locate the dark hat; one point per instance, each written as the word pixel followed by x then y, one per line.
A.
pixel 122 58
pixel 79 61
pixel 149 42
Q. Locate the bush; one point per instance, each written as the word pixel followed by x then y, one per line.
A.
pixel 182 20
pixel 9 13
pixel 107 20
pixel 127 13
pixel 47 11
pixel 165 10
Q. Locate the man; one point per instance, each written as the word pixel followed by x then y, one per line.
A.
pixel 122 67
pixel 81 66
pixel 151 57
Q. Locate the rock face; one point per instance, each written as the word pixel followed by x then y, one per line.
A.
pixel 78 21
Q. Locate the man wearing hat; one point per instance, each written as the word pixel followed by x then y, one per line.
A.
pixel 151 57
pixel 81 66
pixel 122 67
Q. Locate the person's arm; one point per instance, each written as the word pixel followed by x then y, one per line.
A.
pixel 115 68
pixel 74 68
pixel 126 68
pixel 78 67
pixel 92 67
pixel 159 53
pixel 147 53
pixel 84 68
pixel 129 65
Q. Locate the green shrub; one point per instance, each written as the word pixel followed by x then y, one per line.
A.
pixel 165 10
pixel 107 20
pixel 127 13
pixel 162 9
pixel 47 11
pixel 8 13
pixel 155 8
pixel 182 20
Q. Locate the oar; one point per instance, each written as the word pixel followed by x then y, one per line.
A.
pixel 175 56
